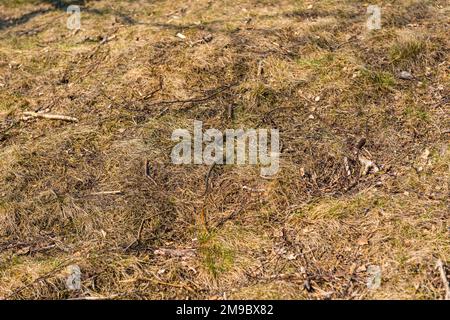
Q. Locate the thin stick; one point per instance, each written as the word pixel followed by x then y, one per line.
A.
pixel 95 298
pixel 176 285
pixel 106 193
pixel 230 111
pixel 444 279
pixel 211 168
pixel 194 100
pixel 141 227
pixel 162 112
pixel 260 69
pixel 151 94
pixel 147 172
pixel 253 189
pixel 49 116
pixel 229 217
pixel 139 235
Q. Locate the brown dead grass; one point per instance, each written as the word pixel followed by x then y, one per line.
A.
pixel 313 230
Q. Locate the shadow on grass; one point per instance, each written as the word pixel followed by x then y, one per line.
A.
pixel 59 5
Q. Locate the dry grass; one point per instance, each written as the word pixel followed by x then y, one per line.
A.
pixel 314 72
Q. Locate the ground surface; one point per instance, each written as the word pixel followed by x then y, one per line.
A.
pixel 311 69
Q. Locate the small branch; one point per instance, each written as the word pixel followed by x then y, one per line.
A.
pixel 268 115
pixel 95 298
pixel 49 116
pixel 178 252
pixel 163 111
pixel 107 39
pixel 176 285
pixel 147 172
pixel 230 111
pixel 440 266
pixel 194 100
pixel 260 69
pixel 141 228
pixel 137 241
pixel 100 193
pixel 352 39
pixel 253 189
pixel 151 94
pixel 229 217
pixel 211 168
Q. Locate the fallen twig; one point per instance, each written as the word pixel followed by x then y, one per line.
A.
pixel 141 227
pixel 137 241
pixel 107 39
pixel 163 111
pixel 95 298
pixel 211 168
pixel 230 111
pixel 176 285
pixel 179 253
pixel 205 39
pixel 268 115
pixel 147 172
pixel 352 39
pixel 260 68
pixel 253 189
pixel 440 266
pixel 193 100
pixel 229 217
pixel 151 94
pixel 100 193
pixel 30 114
